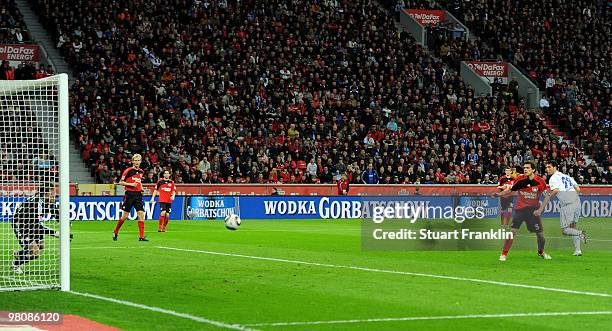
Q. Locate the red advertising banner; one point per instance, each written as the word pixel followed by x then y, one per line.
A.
pixel 427 17
pixel 300 189
pixel 10 189
pixel 20 53
pixel 489 69
pixel 361 189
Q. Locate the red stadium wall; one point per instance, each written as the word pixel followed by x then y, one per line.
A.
pixel 330 189
pixel 318 189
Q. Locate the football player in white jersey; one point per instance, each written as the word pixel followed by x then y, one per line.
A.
pixel 566 190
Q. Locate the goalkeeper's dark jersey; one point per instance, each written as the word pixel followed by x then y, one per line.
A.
pixel 29 214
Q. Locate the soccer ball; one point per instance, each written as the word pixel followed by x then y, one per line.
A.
pixel 190 213
pixel 232 222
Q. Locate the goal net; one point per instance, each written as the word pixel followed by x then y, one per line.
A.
pixel 34 191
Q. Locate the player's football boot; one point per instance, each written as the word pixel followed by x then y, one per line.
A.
pixel 577 253
pixel 583 237
pixel 115 236
pixel 17 269
pixel 143 239
pixel 545 256
pixel 502 257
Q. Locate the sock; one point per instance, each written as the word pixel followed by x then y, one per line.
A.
pixel 575 234
pixel 576 243
pixel 161 222
pixel 507 246
pixel 119 224
pixel 166 221
pixel 141 228
pixel 541 242
pixel 508 217
pixel 571 232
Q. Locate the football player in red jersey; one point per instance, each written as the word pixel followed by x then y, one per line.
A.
pixel 505 202
pixel 167 191
pixel 530 188
pixel 132 180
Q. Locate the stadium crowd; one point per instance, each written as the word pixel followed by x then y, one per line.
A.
pixel 22 150
pixel 24 154
pixel 562 45
pixel 13 29
pixel 447 40
pixel 283 91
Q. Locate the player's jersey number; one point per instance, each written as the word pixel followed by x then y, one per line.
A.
pixel 567 182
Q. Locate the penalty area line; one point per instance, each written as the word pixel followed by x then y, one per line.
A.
pixel 167 312
pixel 473 280
pixel 432 318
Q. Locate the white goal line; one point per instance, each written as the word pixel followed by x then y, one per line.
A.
pixel 34 286
pixel 167 312
pixel 473 280
pixel 431 318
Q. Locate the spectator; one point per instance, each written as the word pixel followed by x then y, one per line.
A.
pixel 312 168
pixel 370 176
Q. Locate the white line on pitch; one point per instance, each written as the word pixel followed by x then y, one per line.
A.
pixel 338 232
pixel 303 231
pixel 474 280
pixel 167 312
pixel 568 238
pixel 208 231
pixel 107 247
pixel 429 318
pixel 141 306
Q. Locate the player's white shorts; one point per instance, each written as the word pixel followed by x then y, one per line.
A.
pixel 569 214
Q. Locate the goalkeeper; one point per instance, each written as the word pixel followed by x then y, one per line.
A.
pixel 28 227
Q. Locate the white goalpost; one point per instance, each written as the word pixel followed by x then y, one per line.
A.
pixel 34 184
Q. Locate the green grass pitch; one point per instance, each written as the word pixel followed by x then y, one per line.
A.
pixel 216 277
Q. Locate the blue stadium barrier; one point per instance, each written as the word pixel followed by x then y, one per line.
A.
pixel 102 208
